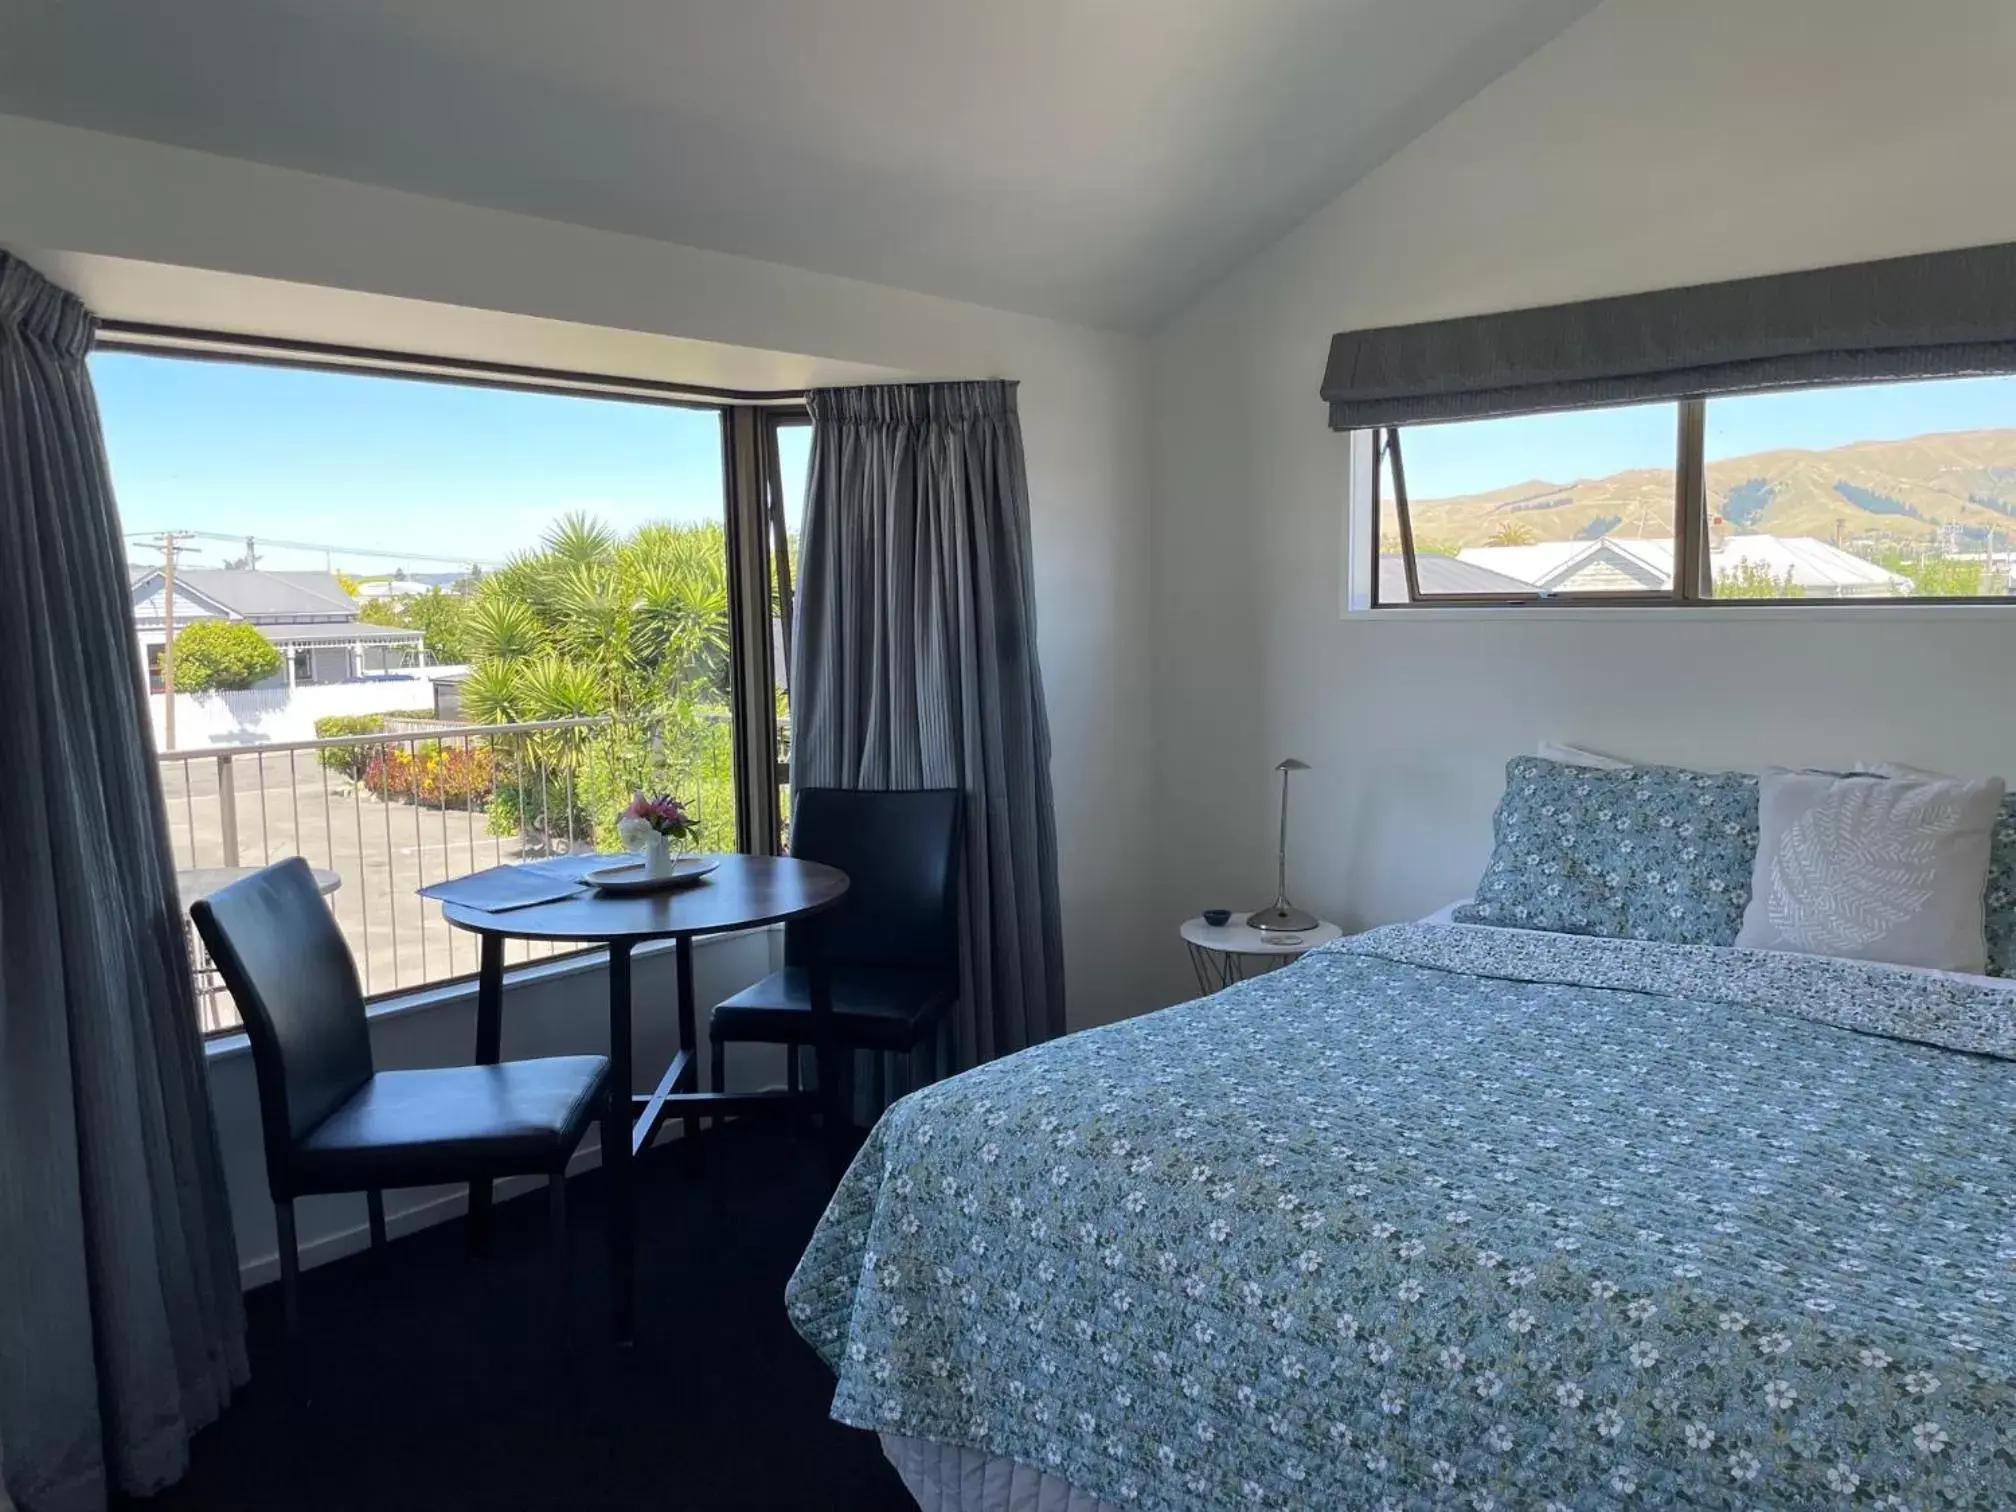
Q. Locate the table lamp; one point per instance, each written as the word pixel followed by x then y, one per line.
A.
pixel 1283 917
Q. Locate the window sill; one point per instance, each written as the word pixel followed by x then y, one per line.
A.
pixel 1817 610
pixel 455 994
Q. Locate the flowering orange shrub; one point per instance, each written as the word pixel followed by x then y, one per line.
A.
pixel 454 776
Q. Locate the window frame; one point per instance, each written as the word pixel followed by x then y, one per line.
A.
pixel 1692 587
pixel 751 501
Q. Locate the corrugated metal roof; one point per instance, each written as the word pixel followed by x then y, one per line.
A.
pixel 1822 569
pixel 1441 574
pixel 335 634
pixel 256 595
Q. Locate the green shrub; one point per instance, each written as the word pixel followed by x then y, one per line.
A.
pixel 350 760
pixel 222 656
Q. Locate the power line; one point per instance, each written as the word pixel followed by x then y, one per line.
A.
pixel 322 546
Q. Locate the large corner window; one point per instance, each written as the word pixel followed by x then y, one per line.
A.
pixel 409 622
pixel 1868 494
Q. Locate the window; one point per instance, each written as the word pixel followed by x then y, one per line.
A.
pixel 1872 493
pixel 498 608
pixel 1582 502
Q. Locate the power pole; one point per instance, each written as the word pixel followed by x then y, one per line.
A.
pixel 168 543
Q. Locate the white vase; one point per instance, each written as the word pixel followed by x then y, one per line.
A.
pixel 657 856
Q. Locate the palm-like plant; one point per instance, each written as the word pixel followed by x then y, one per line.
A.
pixel 580 539
pixel 593 624
pixel 492 694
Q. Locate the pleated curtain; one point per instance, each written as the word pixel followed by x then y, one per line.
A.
pixel 121 1325
pixel 914 666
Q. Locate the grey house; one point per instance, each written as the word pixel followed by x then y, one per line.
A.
pixel 306 615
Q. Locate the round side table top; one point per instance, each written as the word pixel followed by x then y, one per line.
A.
pixel 201 881
pixel 742 893
pixel 1237 938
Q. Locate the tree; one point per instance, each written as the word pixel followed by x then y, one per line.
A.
pixel 594 623
pixel 1744 579
pixel 220 656
pixel 1512 533
pixel 440 617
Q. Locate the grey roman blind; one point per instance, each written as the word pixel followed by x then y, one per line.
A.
pixel 1935 315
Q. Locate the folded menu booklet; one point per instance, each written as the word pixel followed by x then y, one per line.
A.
pixel 505 887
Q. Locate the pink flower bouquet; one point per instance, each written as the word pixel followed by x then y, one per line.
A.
pixel 663 815
pixel 654 827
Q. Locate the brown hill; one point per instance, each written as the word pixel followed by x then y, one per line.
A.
pixel 1956 488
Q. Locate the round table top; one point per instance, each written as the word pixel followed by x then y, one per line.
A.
pixel 743 892
pixel 201 881
pixel 1236 938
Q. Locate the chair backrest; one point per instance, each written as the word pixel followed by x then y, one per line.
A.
pixel 900 851
pixel 290 973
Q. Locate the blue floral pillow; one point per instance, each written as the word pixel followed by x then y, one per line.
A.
pixel 2001 897
pixel 1640 853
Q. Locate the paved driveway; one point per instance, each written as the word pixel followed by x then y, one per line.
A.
pixel 288 804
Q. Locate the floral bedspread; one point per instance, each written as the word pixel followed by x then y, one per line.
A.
pixel 1461 1218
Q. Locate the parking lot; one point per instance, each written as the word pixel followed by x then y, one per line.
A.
pixel 286 803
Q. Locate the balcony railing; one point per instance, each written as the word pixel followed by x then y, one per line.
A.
pixel 391 813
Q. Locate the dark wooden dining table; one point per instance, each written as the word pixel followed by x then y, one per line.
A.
pixel 743 892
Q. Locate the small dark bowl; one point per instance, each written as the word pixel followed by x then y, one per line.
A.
pixel 1217 918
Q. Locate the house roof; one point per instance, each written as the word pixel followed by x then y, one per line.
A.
pixel 257 596
pixel 1816 566
pixel 1811 564
pixel 1441 574
pixel 347 633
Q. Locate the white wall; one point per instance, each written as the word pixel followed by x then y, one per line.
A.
pixel 267 715
pixel 1652 144
pixel 124 216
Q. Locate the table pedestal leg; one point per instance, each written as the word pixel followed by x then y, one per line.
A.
pixel 616 1164
pixel 689 1043
pixel 489 1047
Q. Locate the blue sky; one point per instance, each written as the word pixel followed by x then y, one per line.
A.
pixel 380 464
pixel 1480 455
pixel 383 465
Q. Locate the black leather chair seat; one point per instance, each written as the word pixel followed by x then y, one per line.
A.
pixel 420 1128
pixel 874 1007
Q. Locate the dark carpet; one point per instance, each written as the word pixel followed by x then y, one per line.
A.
pixel 440 1381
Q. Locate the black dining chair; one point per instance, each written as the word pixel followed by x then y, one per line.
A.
pixel 332 1122
pixel 892 944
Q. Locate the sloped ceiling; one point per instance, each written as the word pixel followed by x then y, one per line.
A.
pixel 1096 160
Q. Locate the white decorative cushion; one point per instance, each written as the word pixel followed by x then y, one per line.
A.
pixel 1872 868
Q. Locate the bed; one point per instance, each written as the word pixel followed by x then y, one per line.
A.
pixel 1453 1216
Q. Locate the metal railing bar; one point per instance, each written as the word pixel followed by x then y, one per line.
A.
pixel 391 859
pixel 363 882
pixel 420 903
pixel 265 831
pixel 338 742
pixel 294 795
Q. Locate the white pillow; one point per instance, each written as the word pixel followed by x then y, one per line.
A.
pixel 1872 868
pixel 1569 755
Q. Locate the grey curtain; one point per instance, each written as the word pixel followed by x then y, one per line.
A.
pixel 915 665
pixel 1941 314
pixel 121 1327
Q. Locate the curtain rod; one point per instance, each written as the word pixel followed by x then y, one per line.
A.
pixel 321 356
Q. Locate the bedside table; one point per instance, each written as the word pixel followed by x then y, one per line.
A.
pixel 1233 952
